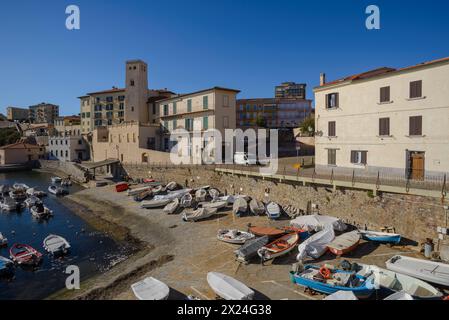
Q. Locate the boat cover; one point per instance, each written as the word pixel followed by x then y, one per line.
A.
pixel 316 245
pixel 317 223
pixel 229 288
pixel 150 289
pixel 342 295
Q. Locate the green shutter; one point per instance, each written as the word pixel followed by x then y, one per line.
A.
pixel 175 124
pixel 205 102
pixel 205 123
pixel 189 105
pixel 174 107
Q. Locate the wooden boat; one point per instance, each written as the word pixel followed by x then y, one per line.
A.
pixel 249 250
pixel 150 289
pixel 344 243
pixel 256 207
pixel 3 240
pixel 40 211
pixel 24 254
pixel 172 186
pixel 199 214
pixel 342 295
pixel 382 237
pixel 6 266
pixel 55 180
pixel 401 295
pixel 56 245
pixel 18 194
pixel 279 247
pixel 57 191
pixel 394 282
pixel 200 195
pixel 136 191
pixel 234 236
pixel 239 207
pixel 32 201
pixel 121 187
pixel 214 193
pixel 213 205
pixel 329 281
pixel 273 210
pixel 172 206
pixel 186 200
pixel 143 195
pixel 229 288
pixel 430 271
pixel 155 203
pixel 266 231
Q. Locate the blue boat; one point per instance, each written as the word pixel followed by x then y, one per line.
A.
pixel 311 278
pixel 6 266
pixel 382 237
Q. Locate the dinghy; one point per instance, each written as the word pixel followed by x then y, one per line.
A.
pixel 401 295
pixel 172 206
pixel 234 236
pixel 279 247
pixel 172 186
pixel 273 210
pixel 66 182
pixel 18 194
pixel 200 195
pixel 229 288
pixel 229 199
pixel 342 295
pixel 249 250
pixel 3 240
pixel 57 191
pixel 240 206
pixel 157 189
pixel 256 207
pixel 186 200
pixel 266 231
pixel 382 237
pixel 214 193
pixel 150 289
pixel 39 211
pixel 330 281
pixel 24 254
pixel 55 180
pixel 32 201
pixel 213 205
pixel 8 204
pixel 32 192
pixel 199 214
pixel 155 203
pixel 56 245
pixel 394 282
pixel 143 195
pixel 318 223
pixel 121 187
pixel 430 271
pixel 20 186
pixel 316 245
pixel 344 243
pixel 4 189
pixel 6 266
pixel 136 191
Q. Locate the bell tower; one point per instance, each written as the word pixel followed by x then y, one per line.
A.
pixel 136 91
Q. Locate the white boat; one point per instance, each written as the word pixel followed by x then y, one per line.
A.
pixel 150 289
pixel 179 193
pixel 157 189
pixel 66 182
pixel 256 207
pixel 56 244
pixel 229 199
pixel 401 295
pixel 186 200
pixel 318 223
pixel 172 186
pixel 55 180
pixel 214 193
pixel 18 194
pixel 8 204
pixel 229 288
pixel 20 186
pixel 36 193
pixel 57 191
pixel 200 195
pixel 155 203
pixel 40 211
pixel 240 206
pixel 32 201
pixel 3 240
pixel 6 266
pixel 172 206
pixel 199 214
pixel 430 271
pixel 341 295
pixel 273 210
pixel 4 189
pixel 344 243
pixel 397 282
pixel 136 191
pixel 316 245
pixel 234 236
pixel 213 205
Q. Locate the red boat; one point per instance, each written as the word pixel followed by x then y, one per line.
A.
pixel 24 254
pixel 274 232
pixel 148 180
pixel 121 187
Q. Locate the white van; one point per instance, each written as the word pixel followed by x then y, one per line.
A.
pixel 243 158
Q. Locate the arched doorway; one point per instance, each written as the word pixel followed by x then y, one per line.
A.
pixel 144 158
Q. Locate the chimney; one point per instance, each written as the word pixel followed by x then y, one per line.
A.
pixel 322 79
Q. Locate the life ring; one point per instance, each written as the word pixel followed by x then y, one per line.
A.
pixel 325 272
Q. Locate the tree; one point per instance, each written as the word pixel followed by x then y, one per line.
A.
pixel 8 136
pixel 308 126
pixel 261 122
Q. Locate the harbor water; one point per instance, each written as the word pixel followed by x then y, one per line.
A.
pixel 92 251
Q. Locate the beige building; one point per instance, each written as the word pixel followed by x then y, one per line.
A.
pixel 17 114
pixel 392 121
pixel 43 113
pixel 20 153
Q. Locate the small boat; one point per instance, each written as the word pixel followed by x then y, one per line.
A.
pixel 136 191
pixel 155 203
pixel 229 288
pixel 66 182
pixel 214 193
pixel 394 282
pixel 430 271
pixel 6 266
pixel 256 207
pixel 143 195
pixel 24 254
pixel 172 186
pixel 148 180
pixel 266 231
pixel 329 281
pixel 186 200
pixel 40 211
pixel 32 201
pixel 57 191
pixel 401 295
pixel 172 206
pixel 317 223
pixel 382 237
pixel 121 187
pixel 3 240
pixel 20 186
pixel 18 194
pixel 273 210
pixel 344 243
pixel 316 245
pixel 200 195
pixel 8 204
pixel 279 247
pixel 213 205
pixel 249 250
pixel 157 189
pixel 55 180
pixel 32 192
pixel 234 236
pixel 4 189
pixel 229 199
pixel 56 245
pixel 199 214
pixel 239 207
pixel 150 289
pixel 341 295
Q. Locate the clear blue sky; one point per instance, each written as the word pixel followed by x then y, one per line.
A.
pixel 250 45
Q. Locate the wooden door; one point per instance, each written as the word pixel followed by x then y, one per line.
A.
pixel 417 166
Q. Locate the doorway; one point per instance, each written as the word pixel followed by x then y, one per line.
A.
pixel 416 164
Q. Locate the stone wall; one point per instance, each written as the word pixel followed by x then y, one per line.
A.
pixel 66 168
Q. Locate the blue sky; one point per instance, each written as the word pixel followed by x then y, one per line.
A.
pixel 250 45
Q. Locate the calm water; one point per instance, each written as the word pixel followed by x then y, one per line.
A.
pixel 92 251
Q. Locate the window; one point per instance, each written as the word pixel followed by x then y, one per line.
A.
pixel 165 109
pixel 121 114
pixel 189 105
pixel 416 89
pixel 175 124
pixel 415 128
pixel 109 114
pixel 121 106
pixel 359 157
pixel 132 83
pixel 83 115
pixel 226 101
pixel 331 129
pixel 385 94
pixel 98 122
pixel 109 99
pixel 154 108
pixel 332 100
pixel 189 124
pixel 384 126
pixel 97 107
pixel 97 115
pixel 66 154
pixel 174 107
pixel 205 123
pixel 332 157
pixel 166 125
pixel 121 98
pixel 87 114
pixel 205 102
pixel 109 107
pixel 225 122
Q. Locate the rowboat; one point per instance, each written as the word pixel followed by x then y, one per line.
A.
pixel 317 223
pixel 213 205
pixel 143 195
pixel 329 281
pixel 57 191
pixel 266 231
pixel 234 236
pixel 394 282
pixel 40 211
pixel 229 288
pixel 382 237
pixel 3 240
pixel 32 201
pixel 401 295
pixel 32 192
pixel 4 189
pixel 55 180
pixel 239 207
pixel 172 186
pixel 229 199
pixel 24 254
pixel 136 191
pixel 6 266
pixel 157 189
pixel 200 195
pixel 256 207
pixel 172 206
pixel 342 295
pixel 186 200
pixel 279 247
pixel 249 250
pixel 155 203
pixel 18 194
pixel 56 245
pixel 8 204
pixel 20 186
pixel 214 193
pixel 121 186
pixel 316 245
pixel 150 289
pixel 199 214
pixel 344 243
pixel 430 271
pixel 273 210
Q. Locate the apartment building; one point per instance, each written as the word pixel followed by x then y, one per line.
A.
pixel 291 90
pixel 17 114
pixel 43 113
pixel 392 121
pixel 68 147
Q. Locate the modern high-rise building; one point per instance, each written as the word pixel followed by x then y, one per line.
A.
pixel 43 113
pixel 291 90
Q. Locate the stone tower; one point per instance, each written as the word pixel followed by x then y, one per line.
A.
pixel 136 91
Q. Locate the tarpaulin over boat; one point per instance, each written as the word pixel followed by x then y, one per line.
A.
pixel 317 223
pixel 315 246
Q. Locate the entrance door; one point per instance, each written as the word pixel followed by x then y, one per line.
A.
pixel 417 165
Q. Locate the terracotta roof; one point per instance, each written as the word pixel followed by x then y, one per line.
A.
pixel 20 145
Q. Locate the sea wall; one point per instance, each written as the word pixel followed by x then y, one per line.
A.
pixel 66 168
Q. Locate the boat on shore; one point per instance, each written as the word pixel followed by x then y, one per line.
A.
pixel 256 207
pixel 24 254
pixel 150 289
pixel 273 211
pixel 172 206
pixel 200 195
pixel 32 192
pixel 56 245
pixel 121 187
pixel 266 231
pixel 401 295
pixel 172 186
pixel 382 237
pixel 279 247
pixel 57 191
pixel 344 243
pixel 249 250
pixel 155 203
pixel 199 214
pixel 240 206
pixel 229 288
pixel 214 193
pixel 18 194
pixel 213 205
pixel 186 200
pixel 316 245
pixel 3 240
pixel 234 236
pixel 136 191
pixel 143 195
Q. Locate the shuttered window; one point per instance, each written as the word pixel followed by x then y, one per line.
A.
pixel 331 129
pixel 385 94
pixel 359 157
pixel 416 126
pixel 384 126
pixel 416 89
pixel 332 100
pixel 331 157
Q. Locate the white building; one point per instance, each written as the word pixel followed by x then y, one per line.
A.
pixel 68 148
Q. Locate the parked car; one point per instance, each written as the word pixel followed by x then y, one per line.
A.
pixel 243 158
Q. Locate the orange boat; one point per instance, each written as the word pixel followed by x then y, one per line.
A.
pixel 344 243
pixel 274 232
pixel 279 247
